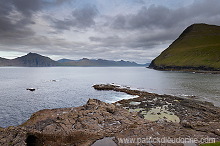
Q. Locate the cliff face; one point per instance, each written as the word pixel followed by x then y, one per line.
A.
pixel 29 60
pixel 197 48
pixel 4 62
pixel 33 60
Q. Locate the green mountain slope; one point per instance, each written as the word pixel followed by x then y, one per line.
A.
pixel 198 48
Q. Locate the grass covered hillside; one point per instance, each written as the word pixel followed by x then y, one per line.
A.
pixel 198 47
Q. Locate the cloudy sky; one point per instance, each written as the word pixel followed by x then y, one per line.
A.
pixel 135 30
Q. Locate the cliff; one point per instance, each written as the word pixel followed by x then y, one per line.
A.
pixel 4 62
pixel 197 48
pixel 29 60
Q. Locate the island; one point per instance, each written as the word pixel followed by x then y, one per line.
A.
pixel 196 49
pixel 142 118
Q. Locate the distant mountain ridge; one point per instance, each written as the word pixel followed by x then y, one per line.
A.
pixel 197 48
pixel 64 60
pixel 36 60
pixel 96 62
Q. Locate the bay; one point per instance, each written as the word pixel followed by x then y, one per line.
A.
pixel 58 87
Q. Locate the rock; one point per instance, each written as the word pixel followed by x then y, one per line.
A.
pixel 95 120
pixel 186 124
pixel 110 108
pixel 87 123
pixel 94 104
pixel 217 132
pixel 31 89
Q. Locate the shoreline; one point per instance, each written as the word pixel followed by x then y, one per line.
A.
pixel 186 69
pixel 148 115
pixel 152 100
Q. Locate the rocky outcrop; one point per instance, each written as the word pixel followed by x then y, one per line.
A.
pixel 71 126
pixel 134 118
pixel 186 109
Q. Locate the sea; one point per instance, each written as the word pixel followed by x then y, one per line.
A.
pixel 60 87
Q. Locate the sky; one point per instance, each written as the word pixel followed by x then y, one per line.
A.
pixel 134 30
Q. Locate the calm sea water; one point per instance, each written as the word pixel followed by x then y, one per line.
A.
pixel 73 87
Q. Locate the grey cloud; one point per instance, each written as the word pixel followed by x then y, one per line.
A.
pixel 158 25
pixel 27 7
pixel 163 17
pixel 110 40
pixel 206 8
pixel 143 41
pixel 148 17
pixel 85 17
pixel 65 24
pixel 139 1
pixel 60 2
pixel 24 9
pixel 5 9
pixel 119 22
pixel 12 27
pixel 8 26
pixel 81 18
pixel 145 18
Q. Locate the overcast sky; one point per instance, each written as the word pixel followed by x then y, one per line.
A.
pixel 134 30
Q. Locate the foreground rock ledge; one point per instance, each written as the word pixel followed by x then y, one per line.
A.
pixel 133 118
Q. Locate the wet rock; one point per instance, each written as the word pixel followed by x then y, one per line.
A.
pixel 31 89
pixel 95 120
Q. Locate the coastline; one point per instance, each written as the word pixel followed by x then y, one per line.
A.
pixel 187 69
pixel 148 115
pixel 198 69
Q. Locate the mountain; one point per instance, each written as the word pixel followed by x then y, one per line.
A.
pixel 94 62
pixel 29 60
pixel 197 48
pixel 64 60
pixel 36 60
pixel 4 62
pixel 33 60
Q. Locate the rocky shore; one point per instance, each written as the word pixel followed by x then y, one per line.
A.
pixel 145 117
pixel 201 69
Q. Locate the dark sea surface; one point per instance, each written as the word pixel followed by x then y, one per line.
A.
pixel 58 87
